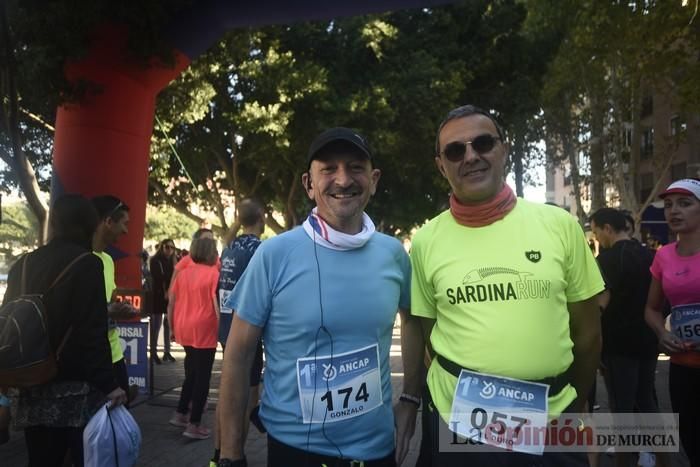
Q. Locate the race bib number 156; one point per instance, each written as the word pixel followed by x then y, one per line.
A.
pixel 346 386
pixel 685 322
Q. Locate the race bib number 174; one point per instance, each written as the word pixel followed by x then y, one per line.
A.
pixel 345 386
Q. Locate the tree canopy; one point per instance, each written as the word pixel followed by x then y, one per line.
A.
pixel 37 39
pixel 239 120
pixel 611 54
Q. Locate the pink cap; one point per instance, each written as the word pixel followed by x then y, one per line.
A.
pixel 686 186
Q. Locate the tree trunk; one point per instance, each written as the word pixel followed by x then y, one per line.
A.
pixel 290 215
pixel 273 224
pixel 636 145
pixel 517 159
pixel 183 209
pixel 622 162
pixel 17 160
pixel 597 155
pixel 626 182
pixel 571 155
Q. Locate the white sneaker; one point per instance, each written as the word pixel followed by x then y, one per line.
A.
pixel 646 459
pixel 178 419
pixel 196 432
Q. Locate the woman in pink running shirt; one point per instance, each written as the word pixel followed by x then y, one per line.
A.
pixel 676 278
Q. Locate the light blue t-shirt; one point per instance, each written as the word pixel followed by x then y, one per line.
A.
pixel 356 295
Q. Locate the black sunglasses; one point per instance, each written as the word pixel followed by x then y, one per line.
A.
pixel 455 151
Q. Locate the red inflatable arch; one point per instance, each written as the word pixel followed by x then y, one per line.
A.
pixel 102 145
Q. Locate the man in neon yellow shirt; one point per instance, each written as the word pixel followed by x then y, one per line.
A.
pixel 114 222
pixel 506 292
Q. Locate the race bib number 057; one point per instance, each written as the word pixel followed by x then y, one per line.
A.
pixel 499 411
pixel 345 386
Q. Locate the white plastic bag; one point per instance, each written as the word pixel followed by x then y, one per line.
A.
pixel 111 439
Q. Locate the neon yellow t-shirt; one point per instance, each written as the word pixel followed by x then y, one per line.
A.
pixel 110 285
pixel 499 295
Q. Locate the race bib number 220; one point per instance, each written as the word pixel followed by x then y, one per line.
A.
pixel 345 386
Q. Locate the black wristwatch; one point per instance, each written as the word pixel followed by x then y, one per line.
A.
pixel 230 463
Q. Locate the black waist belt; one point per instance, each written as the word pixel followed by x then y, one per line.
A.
pixel 556 383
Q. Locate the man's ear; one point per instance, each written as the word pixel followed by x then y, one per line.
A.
pixel 506 148
pixel 376 173
pixel 307 183
pixel 438 163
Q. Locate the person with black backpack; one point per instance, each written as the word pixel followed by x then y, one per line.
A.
pixel 55 394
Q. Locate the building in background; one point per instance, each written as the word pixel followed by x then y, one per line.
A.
pixel 664 131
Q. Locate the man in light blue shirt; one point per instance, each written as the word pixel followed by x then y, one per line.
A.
pixel 324 297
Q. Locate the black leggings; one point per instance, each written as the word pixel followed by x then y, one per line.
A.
pixel 195 389
pixel 47 446
pixel 684 386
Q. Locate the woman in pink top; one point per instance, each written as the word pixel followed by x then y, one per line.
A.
pixel 193 312
pixel 676 278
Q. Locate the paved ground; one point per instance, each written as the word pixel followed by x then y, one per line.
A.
pixel 164 446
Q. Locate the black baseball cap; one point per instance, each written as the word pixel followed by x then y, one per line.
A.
pixel 338 134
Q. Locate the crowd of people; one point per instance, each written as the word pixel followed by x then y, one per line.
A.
pixel 497 292
pixel 651 305
pixel 185 295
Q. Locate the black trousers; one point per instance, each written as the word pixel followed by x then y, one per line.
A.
pixel 425 456
pixel 684 387
pixel 630 383
pixel 48 446
pixel 283 455
pixel 195 389
pixel 120 374
pixel 158 319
